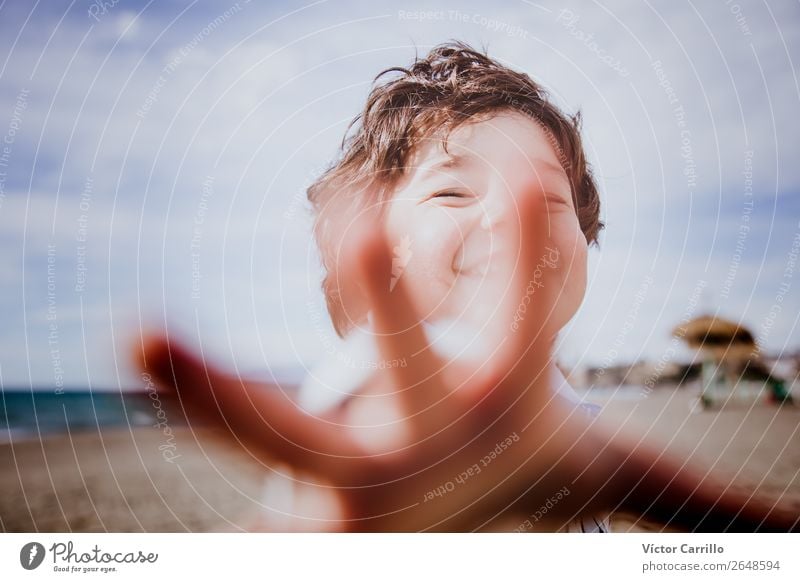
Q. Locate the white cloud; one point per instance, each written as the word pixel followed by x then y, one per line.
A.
pixel 258 106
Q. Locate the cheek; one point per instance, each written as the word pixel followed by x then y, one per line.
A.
pixel 431 236
pixel 425 242
pixel 573 254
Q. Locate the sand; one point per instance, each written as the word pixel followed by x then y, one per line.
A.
pixel 754 447
pixel 121 480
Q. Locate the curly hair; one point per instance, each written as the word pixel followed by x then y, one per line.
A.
pixel 454 84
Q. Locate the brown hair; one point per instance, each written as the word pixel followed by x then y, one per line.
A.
pixel 452 85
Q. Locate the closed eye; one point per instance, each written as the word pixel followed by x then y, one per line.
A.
pixel 451 198
pixel 552 198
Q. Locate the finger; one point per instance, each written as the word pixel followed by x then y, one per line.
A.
pixel 403 345
pixel 526 337
pixel 261 418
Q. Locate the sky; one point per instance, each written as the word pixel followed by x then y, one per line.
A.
pixel 155 155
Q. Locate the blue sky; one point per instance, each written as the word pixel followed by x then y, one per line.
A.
pixel 133 128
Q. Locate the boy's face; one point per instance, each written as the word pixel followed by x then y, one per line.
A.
pixel 453 217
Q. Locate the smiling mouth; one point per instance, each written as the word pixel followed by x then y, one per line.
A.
pixel 473 272
pixel 476 258
pixel 476 268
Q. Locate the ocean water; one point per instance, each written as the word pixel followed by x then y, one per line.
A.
pixel 30 413
pixel 26 413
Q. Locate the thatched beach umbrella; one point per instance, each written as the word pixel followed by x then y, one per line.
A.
pixel 728 347
pixel 720 338
pixel 725 346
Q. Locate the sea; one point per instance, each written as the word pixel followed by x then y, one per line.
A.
pixel 27 413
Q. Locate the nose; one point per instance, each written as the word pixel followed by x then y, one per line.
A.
pixel 498 209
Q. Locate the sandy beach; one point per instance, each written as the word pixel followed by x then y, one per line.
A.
pixel 121 480
pixel 754 447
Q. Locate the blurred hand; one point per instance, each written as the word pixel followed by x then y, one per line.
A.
pixel 436 445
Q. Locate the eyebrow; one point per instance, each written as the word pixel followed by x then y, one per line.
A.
pixel 451 162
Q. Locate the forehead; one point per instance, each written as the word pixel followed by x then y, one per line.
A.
pixel 503 140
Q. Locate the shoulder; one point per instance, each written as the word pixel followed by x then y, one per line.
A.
pixel 561 387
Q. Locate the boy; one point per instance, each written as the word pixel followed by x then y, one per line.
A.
pixel 454 231
pixel 441 155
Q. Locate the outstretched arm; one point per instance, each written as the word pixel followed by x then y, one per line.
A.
pixel 414 456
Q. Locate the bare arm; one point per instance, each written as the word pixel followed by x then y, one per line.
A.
pixel 382 459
